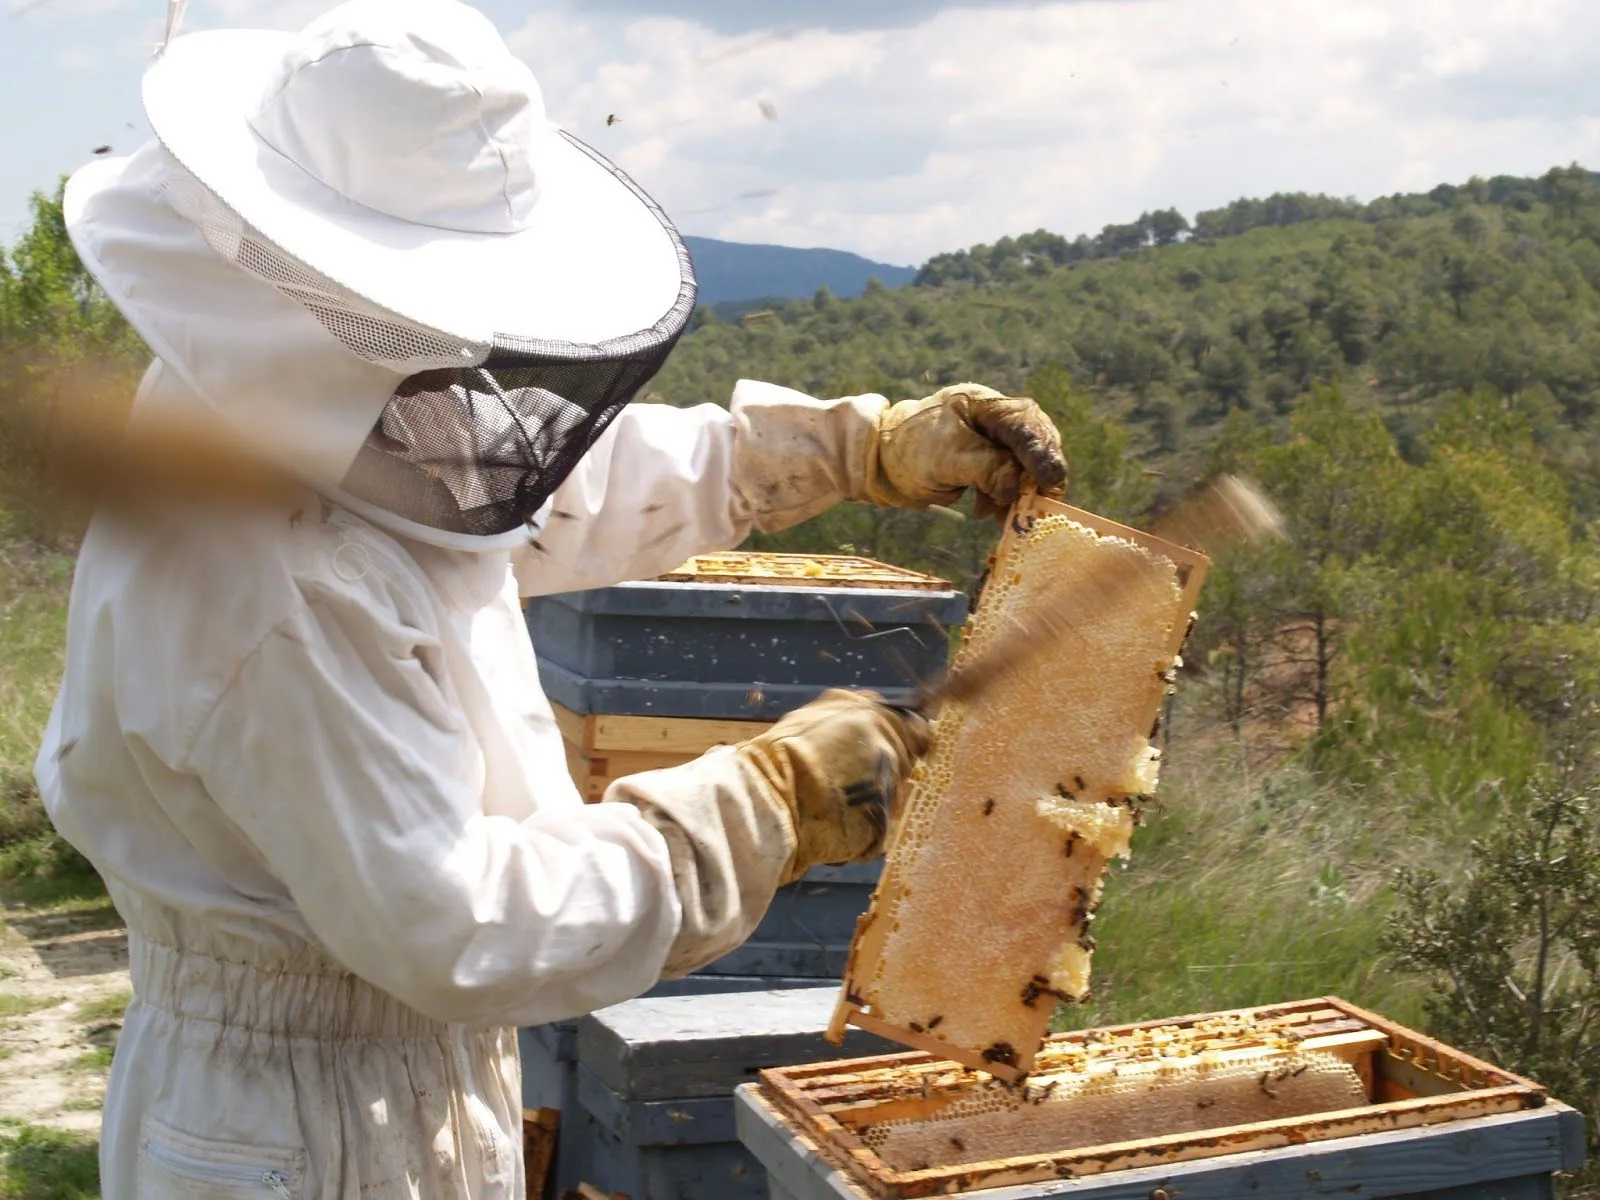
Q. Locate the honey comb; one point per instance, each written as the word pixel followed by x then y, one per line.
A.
pixel 981 921
pixel 1071 1110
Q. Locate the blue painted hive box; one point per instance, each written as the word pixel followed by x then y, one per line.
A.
pixel 743 636
pixel 654 1084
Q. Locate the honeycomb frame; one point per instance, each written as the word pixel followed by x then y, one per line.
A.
pixel 1059 954
pixel 1410 1081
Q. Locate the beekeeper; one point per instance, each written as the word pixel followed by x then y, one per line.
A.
pixel 305 744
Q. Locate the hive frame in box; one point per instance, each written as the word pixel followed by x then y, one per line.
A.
pixel 867 949
pixel 821 570
pixel 1412 1081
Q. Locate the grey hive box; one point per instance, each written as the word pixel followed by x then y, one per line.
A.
pixel 748 650
pixel 654 1083
pixel 1508 1157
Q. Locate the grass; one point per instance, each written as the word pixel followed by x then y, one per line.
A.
pixel 36 867
pixel 105 1008
pixel 1251 887
pixel 22 1006
pixel 46 1164
pixel 98 1059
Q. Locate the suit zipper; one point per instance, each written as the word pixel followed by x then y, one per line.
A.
pixel 178 1163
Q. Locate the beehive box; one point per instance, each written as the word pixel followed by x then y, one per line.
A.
pixel 654 1081
pixel 1296 1100
pixel 744 637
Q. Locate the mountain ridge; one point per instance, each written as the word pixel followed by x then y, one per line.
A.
pixel 748 271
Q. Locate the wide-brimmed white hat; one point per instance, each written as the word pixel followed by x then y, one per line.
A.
pixel 325 213
pixel 399 148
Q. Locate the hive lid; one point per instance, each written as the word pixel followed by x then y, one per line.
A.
pixel 809 570
pixel 684 1047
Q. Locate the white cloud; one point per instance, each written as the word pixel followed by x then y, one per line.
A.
pixel 980 121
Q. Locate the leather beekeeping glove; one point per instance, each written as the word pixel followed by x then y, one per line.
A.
pixel 742 821
pixel 839 764
pixel 929 451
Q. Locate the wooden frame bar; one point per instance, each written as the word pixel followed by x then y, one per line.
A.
pixel 603 748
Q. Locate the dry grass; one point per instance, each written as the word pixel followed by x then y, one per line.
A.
pixel 1251 885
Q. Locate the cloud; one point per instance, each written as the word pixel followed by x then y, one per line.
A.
pixel 975 121
pixel 743 17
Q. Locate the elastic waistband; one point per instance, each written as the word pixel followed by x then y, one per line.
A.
pixel 296 1001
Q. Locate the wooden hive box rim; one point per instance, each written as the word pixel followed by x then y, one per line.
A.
pixel 1496 1092
pixel 863 572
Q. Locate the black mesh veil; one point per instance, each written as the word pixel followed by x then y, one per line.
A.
pixel 478 450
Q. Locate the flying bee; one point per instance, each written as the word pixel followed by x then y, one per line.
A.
pixel 988 807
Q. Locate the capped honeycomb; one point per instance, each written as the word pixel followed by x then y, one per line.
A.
pixel 982 919
pixel 1071 1109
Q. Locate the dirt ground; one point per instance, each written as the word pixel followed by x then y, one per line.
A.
pixel 63 985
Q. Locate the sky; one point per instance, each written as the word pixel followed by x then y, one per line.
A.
pixel 903 128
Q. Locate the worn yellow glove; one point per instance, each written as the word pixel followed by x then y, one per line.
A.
pixel 929 451
pixel 839 763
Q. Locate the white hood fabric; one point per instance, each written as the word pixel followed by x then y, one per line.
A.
pixel 314 765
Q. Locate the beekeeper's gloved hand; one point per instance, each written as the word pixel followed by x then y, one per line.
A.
pixel 742 821
pixel 929 451
pixel 839 764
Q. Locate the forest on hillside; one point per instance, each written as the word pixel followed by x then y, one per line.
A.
pixel 1383 766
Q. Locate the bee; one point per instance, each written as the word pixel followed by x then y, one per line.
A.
pixel 1266 1077
pixel 1077 781
pixel 988 807
pixel 934 1024
pixel 754 697
pixel 1082 910
pixel 1022 528
pixel 958 1144
pixel 612 119
pixel 1043 1094
pixel 562 515
pixel 1298 1070
pixel 538 546
pixel 102 150
pixel 1204 1102
pixel 1001 1052
pixel 1072 843
pixel 654 508
pixel 828 655
pixel 916 1028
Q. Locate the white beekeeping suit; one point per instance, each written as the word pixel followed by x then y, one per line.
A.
pixel 305 743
